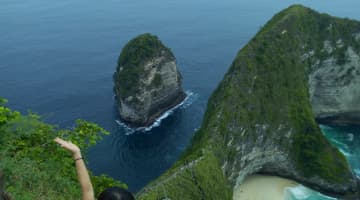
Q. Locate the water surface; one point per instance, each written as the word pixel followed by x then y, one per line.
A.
pixel 57 59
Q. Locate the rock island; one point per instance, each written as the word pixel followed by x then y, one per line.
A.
pixel 147 81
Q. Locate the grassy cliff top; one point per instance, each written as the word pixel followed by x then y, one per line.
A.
pixel 130 69
pixel 267 84
pixel 142 48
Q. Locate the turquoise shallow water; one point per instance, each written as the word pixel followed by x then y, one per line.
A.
pixel 347 139
pixel 303 193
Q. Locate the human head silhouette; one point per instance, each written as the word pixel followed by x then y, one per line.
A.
pixel 115 193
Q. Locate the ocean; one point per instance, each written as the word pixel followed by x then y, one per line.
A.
pixel 57 59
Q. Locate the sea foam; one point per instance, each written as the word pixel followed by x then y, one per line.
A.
pixel 189 99
pixel 350 137
pixel 301 192
pixel 357 172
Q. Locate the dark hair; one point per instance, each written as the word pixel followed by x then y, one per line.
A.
pixel 115 193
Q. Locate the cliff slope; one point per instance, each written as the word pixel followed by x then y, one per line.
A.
pixel 260 118
pixel 147 81
pixel 334 78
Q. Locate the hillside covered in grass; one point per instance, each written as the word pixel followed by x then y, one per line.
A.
pixel 34 167
pixel 260 118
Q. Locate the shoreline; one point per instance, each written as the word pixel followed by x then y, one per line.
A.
pixel 260 187
pixel 157 120
pixel 171 105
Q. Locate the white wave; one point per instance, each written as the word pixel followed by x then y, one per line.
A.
pixel 324 197
pixel 127 129
pixel 301 192
pixel 357 172
pixel 338 142
pixel 189 99
pixel 346 154
pixel 350 137
pixel 343 148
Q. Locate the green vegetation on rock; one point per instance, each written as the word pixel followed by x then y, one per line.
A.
pixel 307 30
pixel 261 105
pixel 34 166
pixel 136 52
pixel 199 179
pixel 147 81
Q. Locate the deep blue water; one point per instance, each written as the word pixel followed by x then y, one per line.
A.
pixel 57 59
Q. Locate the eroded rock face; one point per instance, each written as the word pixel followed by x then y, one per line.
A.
pixel 147 81
pixel 260 118
pixel 335 88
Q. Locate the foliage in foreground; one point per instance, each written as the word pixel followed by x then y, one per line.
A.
pixel 34 166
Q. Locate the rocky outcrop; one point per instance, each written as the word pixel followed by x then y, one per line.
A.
pixel 335 86
pixel 147 81
pixel 260 118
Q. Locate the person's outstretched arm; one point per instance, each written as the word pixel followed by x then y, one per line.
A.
pixel 83 175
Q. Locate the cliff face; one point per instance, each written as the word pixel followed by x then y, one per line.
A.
pixel 335 83
pixel 147 81
pixel 261 119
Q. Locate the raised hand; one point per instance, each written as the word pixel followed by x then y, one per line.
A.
pixel 83 175
pixel 75 150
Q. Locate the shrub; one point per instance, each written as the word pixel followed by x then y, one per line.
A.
pixel 34 166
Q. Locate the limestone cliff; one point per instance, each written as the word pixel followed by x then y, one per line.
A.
pixel 334 80
pixel 260 118
pixel 147 81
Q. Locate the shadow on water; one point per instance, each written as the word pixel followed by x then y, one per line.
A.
pixel 147 144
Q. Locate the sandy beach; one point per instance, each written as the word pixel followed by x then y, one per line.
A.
pixel 261 187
